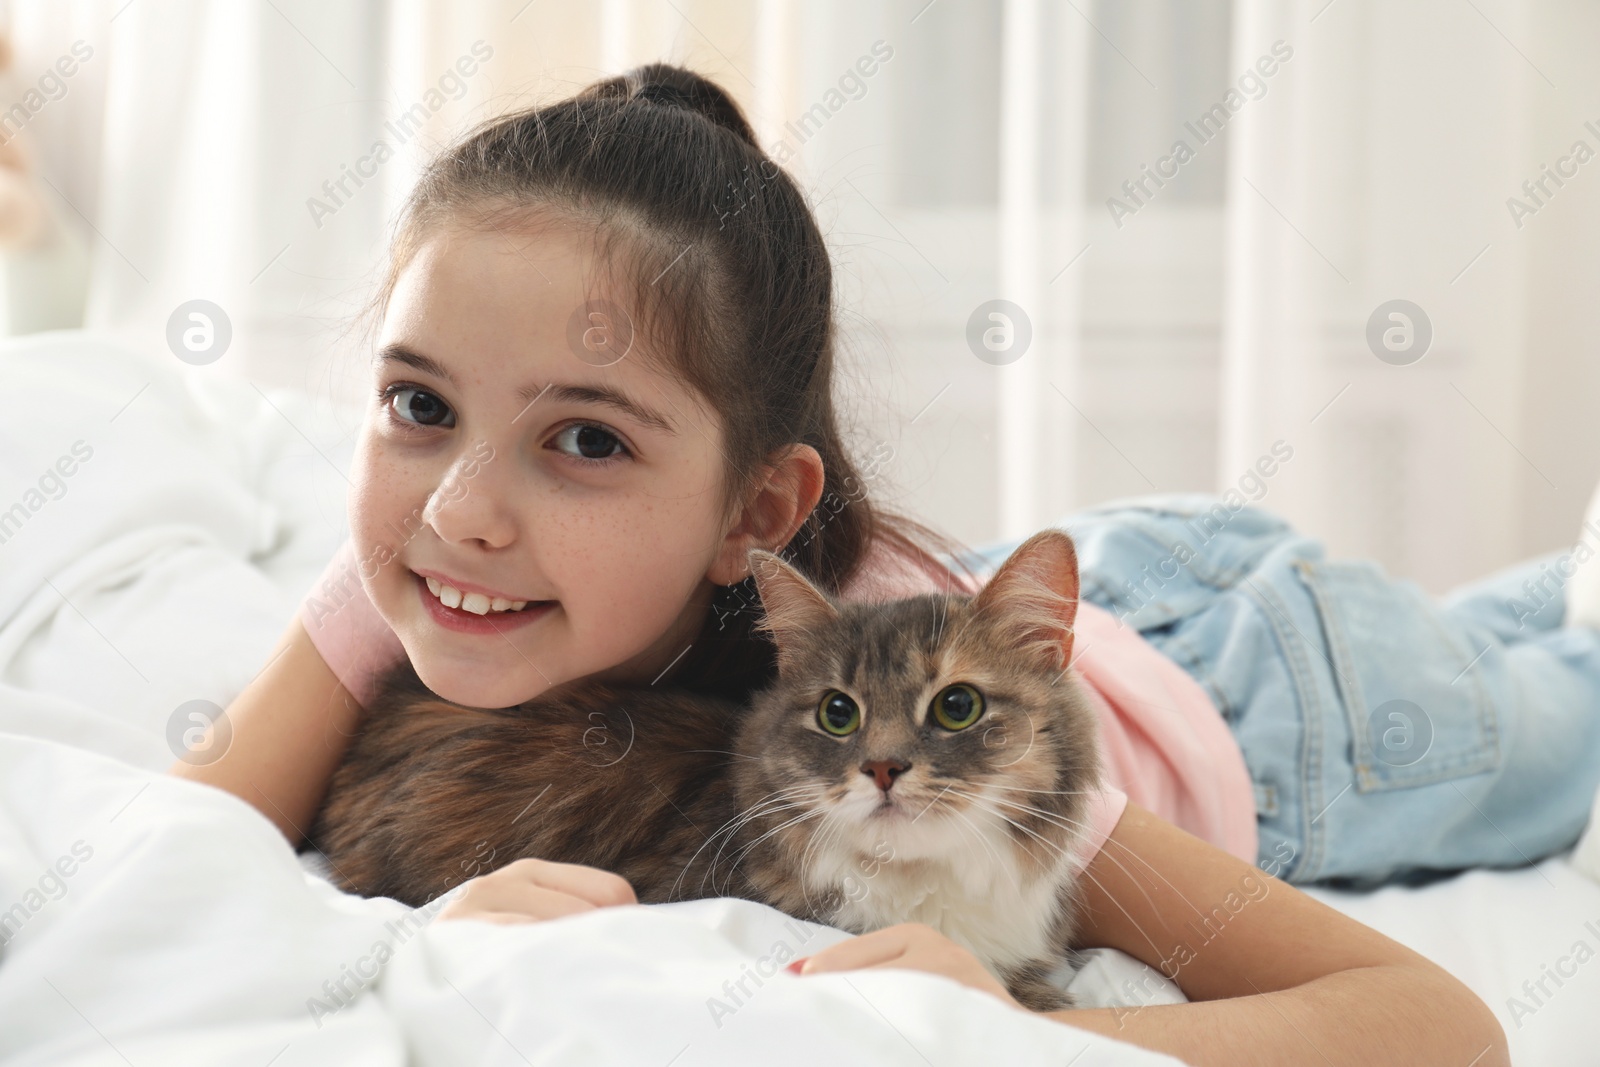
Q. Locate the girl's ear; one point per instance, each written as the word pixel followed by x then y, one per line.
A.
pixel 792 606
pixel 1033 597
pixel 791 486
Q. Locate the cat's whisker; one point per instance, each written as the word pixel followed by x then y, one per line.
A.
pixel 1069 823
pixel 1084 872
pixel 759 810
pixel 1134 855
pixel 810 813
pixel 842 827
pixel 768 806
pixel 1061 817
pixel 725 752
pixel 729 831
pixel 739 856
pixel 965 821
pixel 778 799
pixel 771 805
pixel 1059 850
pixel 1047 792
pixel 1045 812
pixel 1057 818
pixel 1136 925
pixel 977 803
pixel 832 828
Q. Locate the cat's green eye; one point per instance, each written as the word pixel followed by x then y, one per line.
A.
pixel 838 714
pixel 957 707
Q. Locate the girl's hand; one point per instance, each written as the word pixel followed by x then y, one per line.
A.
pixel 533 890
pixel 909 946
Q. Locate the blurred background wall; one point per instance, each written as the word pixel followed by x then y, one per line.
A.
pixel 1189 310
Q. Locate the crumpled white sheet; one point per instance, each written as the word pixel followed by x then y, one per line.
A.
pixel 163 573
pixel 162 921
pixel 166 565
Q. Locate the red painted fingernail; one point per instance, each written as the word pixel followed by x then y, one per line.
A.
pixel 794 968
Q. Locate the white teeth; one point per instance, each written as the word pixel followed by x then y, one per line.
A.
pixel 476 603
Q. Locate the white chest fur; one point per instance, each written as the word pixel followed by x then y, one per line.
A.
pixel 968 882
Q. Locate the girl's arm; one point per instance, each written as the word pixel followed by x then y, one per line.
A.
pixel 290 727
pixel 1273 976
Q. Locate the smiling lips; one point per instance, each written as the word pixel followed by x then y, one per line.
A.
pixel 479 613
pixel 477 603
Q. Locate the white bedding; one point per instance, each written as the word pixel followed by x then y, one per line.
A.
pixel 164 574
pixel 183 930
pixel 1496 930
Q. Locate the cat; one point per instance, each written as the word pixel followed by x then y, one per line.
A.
pixel 928 759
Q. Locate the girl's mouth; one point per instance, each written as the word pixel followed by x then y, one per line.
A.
pixel 476 603
pixel 491 617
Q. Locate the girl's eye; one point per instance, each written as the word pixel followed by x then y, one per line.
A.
pixel 958 707
pixel 418 406
pixel 838 714
pixel 590 442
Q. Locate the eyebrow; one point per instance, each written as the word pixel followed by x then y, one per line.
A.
pixel 569 393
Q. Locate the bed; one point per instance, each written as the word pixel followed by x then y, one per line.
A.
pixel 171 519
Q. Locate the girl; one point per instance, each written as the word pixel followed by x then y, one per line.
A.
pixel 605 373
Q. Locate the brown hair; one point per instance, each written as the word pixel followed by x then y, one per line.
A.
pixel 734 285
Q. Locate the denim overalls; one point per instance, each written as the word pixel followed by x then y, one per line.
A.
pixel 1388 734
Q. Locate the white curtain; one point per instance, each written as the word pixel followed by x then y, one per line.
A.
pixel 1379 167
pixel 1175 338
pixel 185 156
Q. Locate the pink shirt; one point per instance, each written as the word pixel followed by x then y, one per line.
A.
pixel 1162 742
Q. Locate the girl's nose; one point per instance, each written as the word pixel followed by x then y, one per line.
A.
pixel 465 506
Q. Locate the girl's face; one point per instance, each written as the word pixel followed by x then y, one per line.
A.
pixel 507 455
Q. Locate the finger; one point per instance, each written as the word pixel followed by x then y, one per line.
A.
pixel 603 889
pixel 524 898
pixel 504 918
pixel 880 946
pixel 931 962
pixel 968 972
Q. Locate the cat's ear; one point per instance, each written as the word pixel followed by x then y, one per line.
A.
pixel 792 606
pixel 1033 597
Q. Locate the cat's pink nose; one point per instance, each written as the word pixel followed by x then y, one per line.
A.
pixel 885 771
